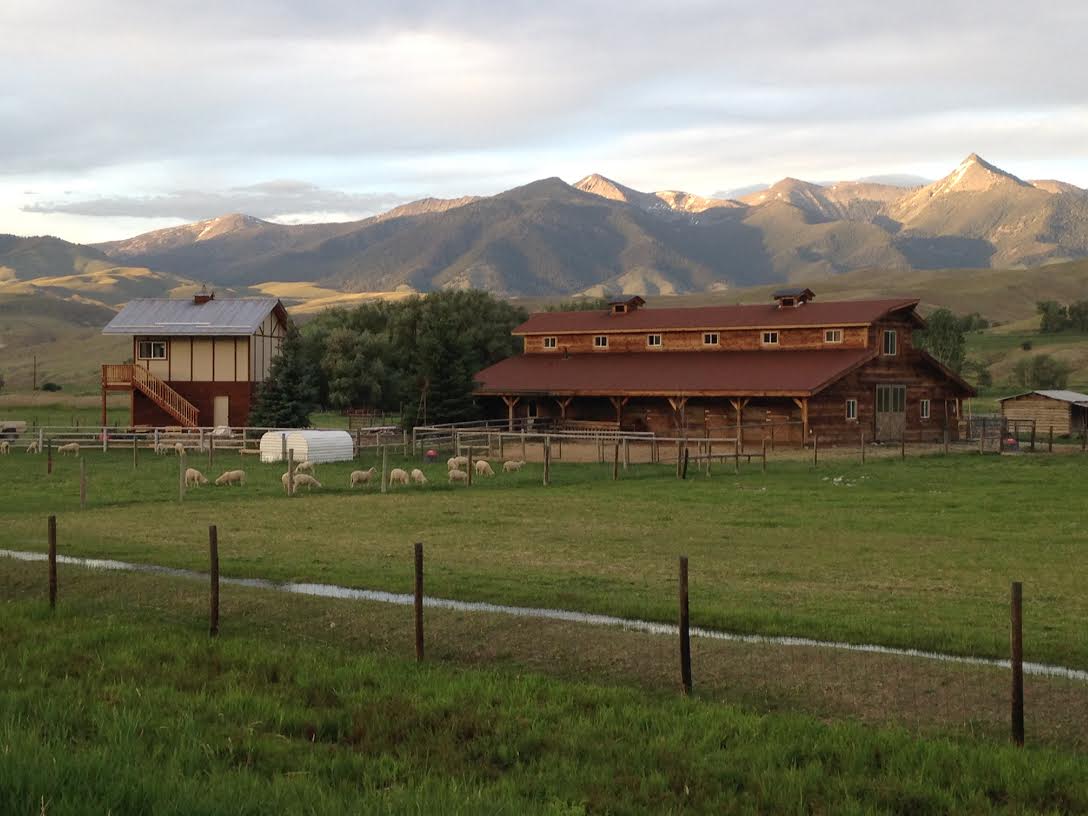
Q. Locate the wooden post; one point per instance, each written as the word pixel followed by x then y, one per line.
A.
pixel 685 633
pixel 1033 436
pixel 283 444
pixel 52 528
pixel 764 467
pixel 679 456
pixel 862 446
pixel 1016 637
pixel 82 482
pixel 616 462
pixel 736 456
pixel 470 467
pixel 502 447
pixel 772 436
pixel 982 437
pixel 200 431
pixel 135 452
pixel 181 477
pixel 903 446
pixel 419 601
pixel 48 457
pixel 105 439
pixel 213 564
pixel 385 469
pixel 815 450
pixel 523 456
pixel 946 440
pixel 211 450
pixel 626 453
pixel 1050 441
pixel 684 472
pixel 709 456
pixel 547 462
pixel 291 472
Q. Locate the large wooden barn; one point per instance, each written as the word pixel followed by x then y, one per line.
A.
pixel 195 361
pixel 1064 411
pixel 832 369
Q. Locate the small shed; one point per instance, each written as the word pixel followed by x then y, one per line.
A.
pixel 1064 411
pixel 308 446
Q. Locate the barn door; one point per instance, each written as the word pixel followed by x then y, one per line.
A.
pixel 891 414
pixel 221 411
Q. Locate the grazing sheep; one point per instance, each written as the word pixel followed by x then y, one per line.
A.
pixel 513 466
pixel 305 466
pixel 283 480
pixel 179 448
pixel 418 477
pixel 398 476
pixel 305 480
pixel 71 447
pixel 231 477
pixel 161 448
pixel 34 447
pixel 363 477
pixel 456 462
pixel 483 468
pixel 458 476
pixel 5 448
pixel 194 477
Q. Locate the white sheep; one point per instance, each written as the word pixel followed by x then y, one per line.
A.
pixel 5 448
pixel 458 476
pixel 456 462
pixel 305 466
pixel 179 448
pixel 305 480
pixel 483 468
pixel 161 448
pixel 194 477
pixel 283 480
pixel 231 477
pixel 361 477
pixel 398 476
pixel 418 477
pixel 513 466
pixel 71 447
pixel 34 447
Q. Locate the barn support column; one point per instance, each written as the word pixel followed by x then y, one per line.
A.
pixel 802 403
pixel 511 402
pixel 738 406
pixel 563 403
pixel 678 405
pixel 618 404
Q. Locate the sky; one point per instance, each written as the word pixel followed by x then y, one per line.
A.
pixel 122 117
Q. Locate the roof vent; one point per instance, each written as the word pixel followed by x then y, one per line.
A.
pixel 203 296
pixel 625 305
pixel 792 298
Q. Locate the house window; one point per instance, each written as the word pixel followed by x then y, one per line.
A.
pixel 550 342
pixel 710 339
pixel 770 338
pixel 851 409
pixel 151 350
pixel 600 341
pixel 832 335
pixel 653 340
pixel 923 409
pixel 890 342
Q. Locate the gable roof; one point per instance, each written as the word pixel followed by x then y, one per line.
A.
pixel 1055 394
pixel 177 316
pixel 717 318
pixel 735 373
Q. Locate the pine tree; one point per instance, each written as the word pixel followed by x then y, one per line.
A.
pixel 289 393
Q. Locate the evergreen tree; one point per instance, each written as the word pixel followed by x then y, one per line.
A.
pixel 289 393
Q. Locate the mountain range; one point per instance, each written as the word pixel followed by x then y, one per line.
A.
pixel 597 236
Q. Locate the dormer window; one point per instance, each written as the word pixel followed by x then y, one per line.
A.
pixel 793 298
pixel 653 340
pixel 625 305
pixel 770 338
pixel 550 342
pixel 600 341
pixel 619 308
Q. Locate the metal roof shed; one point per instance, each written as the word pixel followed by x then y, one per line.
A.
pixel 308 446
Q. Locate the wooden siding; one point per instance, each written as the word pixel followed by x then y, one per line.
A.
pixel 728 340
pixel 265 346
pixel 1064 417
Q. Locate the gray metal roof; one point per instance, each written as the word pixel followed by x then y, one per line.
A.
pixel 1061 395
pixel 172 316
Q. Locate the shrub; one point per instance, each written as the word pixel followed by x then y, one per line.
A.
pixel 1026 345
pixel 50 386
pixel 1041 371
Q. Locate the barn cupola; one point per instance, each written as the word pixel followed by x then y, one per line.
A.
pixel 792 298
pixel 203 296
pixel 624 305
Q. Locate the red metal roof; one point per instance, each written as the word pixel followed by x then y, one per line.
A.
pixel 839 313
pixel 672 373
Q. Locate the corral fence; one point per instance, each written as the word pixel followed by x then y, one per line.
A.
pixel 994 433
pixel 980 695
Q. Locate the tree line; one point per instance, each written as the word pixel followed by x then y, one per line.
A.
pixel 1056 317
pixel 387 355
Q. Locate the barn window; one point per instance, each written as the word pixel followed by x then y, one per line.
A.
pixel 151 350
pixel 600 341
pixel 770 338
pixel 550 342
pixel 890 342
pixel 653 340
pixel 710 339
pixel 851 409
pixel 832 335
pixel 923 408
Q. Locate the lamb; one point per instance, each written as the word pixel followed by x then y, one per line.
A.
pixel 5 448
pixel 483 468
pixel 305 480
pixel 231 477
pixel 194 477
pixel 160 448
pixel 34 447
pixel 71 447
pixel 179 448
pixel 418 477
pixel 456 462
pixel 513 466
pixel 305 466
pixel 363 477
pixel 458 476
pixel 398 476
pixel 283 480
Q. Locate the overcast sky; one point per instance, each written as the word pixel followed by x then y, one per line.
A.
pixel 120 117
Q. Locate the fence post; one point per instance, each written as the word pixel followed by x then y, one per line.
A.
pixel 709 455
pixel 1033 436
pixel 626 453
pixel 815 449
pixel 862 446
pixel 684 471
pixel 685 633
pixel 291 472
pixel 523 457
pixel 736 455
pixel 82 482
pixel 211 450
pixel 135 451
pixel 1050 441
pixel 419 600
pixel 385 468
pixel 502 447
pixel 213 559
pixel 470 467
pixel 52 562
pixel 105 439
pixel 903 446
pixel 1016 636
pixel 764 456
pixel 48 457
pixel 982 438
pixel 616 462
pixel 283 447
pixel 946 440
pixel 547 460
pixel 181 477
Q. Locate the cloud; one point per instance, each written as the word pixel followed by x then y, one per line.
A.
pixel 268 199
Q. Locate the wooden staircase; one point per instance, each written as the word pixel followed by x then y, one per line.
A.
pixel 128 376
